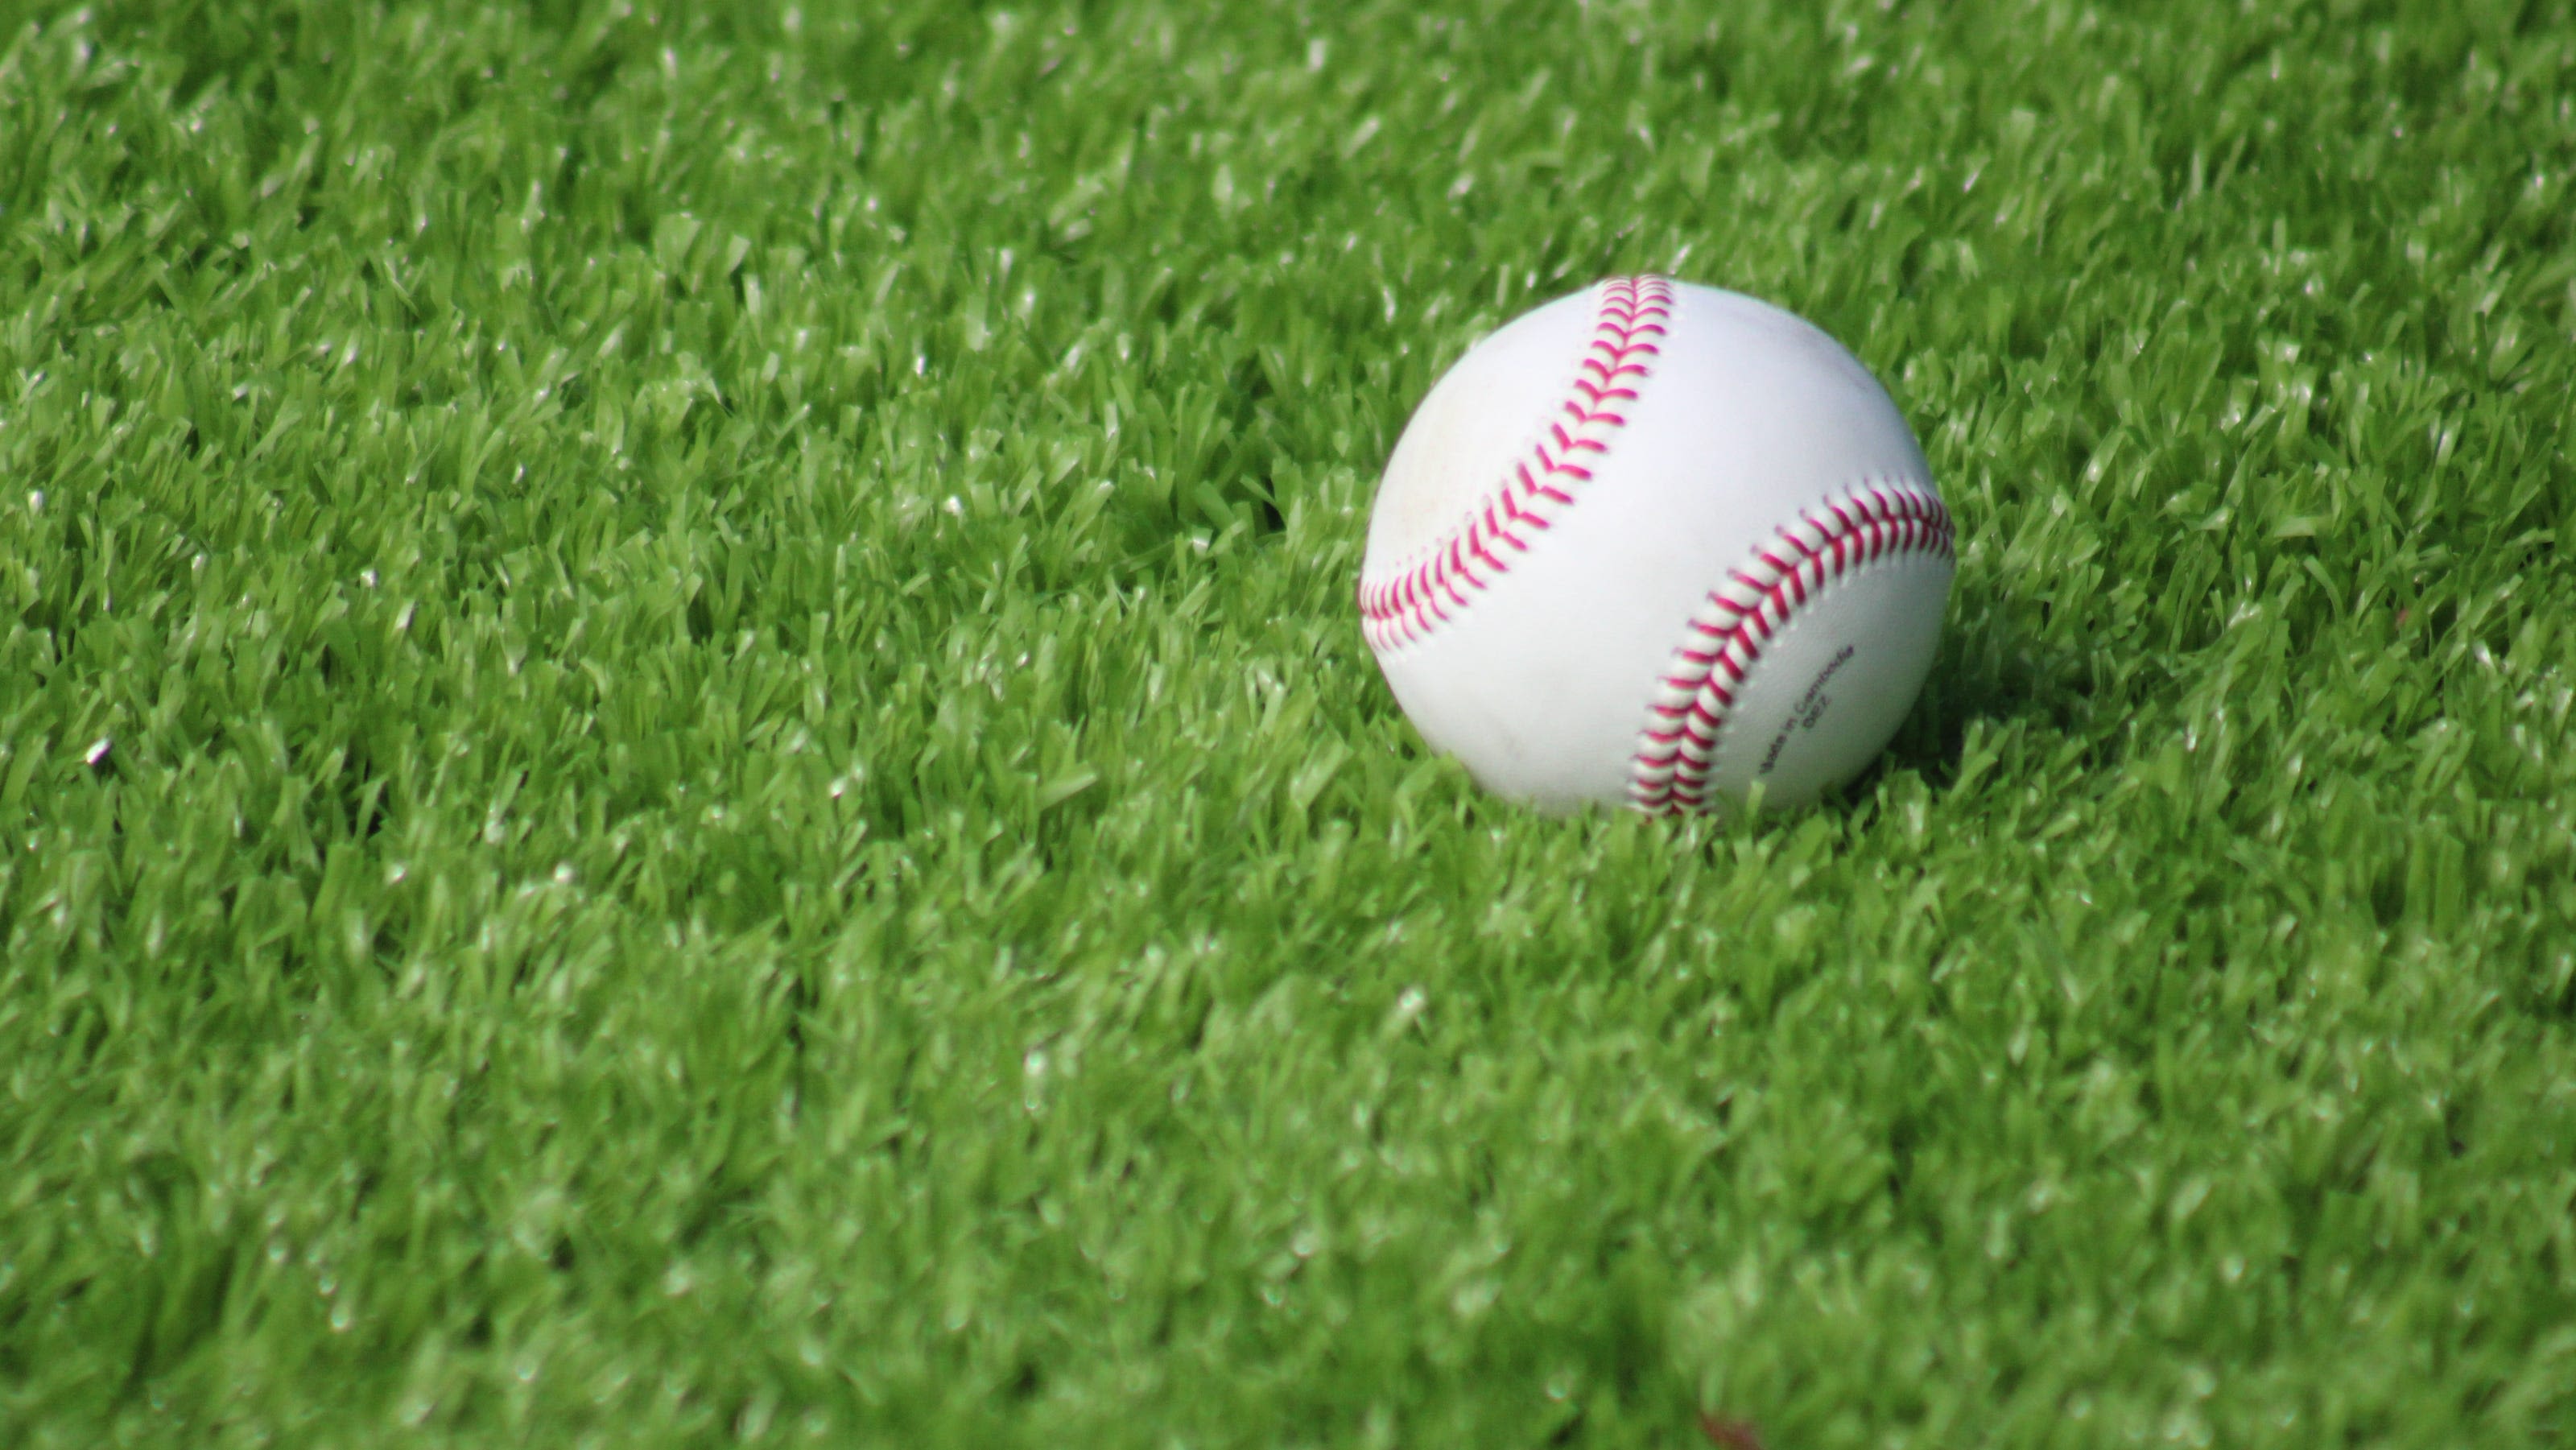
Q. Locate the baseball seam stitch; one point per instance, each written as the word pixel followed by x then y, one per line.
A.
pixel 1677 747
pixel 1442 582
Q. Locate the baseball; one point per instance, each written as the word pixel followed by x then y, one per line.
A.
pixel 1660 545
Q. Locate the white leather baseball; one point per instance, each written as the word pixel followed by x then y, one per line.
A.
pixel 1657 544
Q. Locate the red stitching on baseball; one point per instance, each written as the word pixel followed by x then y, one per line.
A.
pixel 1671 769
pixel 1396 611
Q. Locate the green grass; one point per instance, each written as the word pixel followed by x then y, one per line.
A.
pixel 684 754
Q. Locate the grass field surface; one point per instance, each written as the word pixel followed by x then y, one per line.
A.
pixel 684 755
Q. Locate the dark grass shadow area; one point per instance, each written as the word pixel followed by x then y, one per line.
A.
pixel 1992 666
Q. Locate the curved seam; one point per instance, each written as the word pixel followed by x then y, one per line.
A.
pixel 1871 524
pixel 1405 605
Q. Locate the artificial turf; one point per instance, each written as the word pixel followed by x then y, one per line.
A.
pixel 684 754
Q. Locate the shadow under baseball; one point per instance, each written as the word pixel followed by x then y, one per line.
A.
pixel 1991 666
